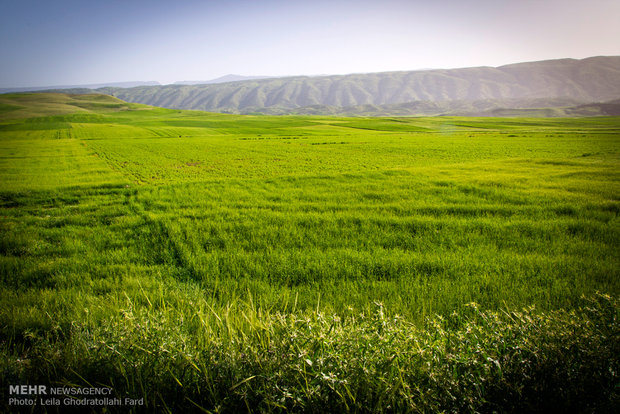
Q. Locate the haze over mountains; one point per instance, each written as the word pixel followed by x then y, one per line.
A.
pixel 222 79
pixel 130 84
pixel 563 85
pixel 91 86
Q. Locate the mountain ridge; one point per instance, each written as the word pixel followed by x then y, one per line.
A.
pixel 222 79
pixel 580 81
pixel 91 87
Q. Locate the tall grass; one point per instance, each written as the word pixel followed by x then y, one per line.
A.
pixel 193 358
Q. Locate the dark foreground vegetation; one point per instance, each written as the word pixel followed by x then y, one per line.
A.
pixel 250 360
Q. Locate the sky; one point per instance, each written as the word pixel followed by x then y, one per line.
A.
pixel 74 42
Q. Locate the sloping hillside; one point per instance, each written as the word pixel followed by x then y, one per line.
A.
pixel 29 105
pixel 594 79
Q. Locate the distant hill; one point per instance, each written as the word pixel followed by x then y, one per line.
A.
pixel 84 87
pixel 559 84
pixel 492 107
pixel 30 105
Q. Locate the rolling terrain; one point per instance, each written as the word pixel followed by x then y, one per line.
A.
pixel 555 84
pixel 541 108
pixel 83 87
pixel 210 262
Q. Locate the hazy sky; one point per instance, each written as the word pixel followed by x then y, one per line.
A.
pixel 60 42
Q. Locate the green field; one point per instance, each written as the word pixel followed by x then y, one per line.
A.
pixel 225 262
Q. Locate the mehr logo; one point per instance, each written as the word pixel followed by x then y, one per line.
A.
pixel 27 389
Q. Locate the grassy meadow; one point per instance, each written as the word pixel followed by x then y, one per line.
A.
pixel 224 263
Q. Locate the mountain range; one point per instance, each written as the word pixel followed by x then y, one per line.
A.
pixel 130 84
pixel 562 87
pixel 91 86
